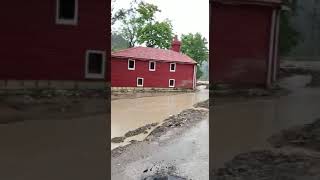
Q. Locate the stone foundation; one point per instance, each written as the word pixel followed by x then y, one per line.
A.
pixel 145 89
pixel 51 84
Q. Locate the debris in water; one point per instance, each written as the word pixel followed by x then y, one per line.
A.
pixel 307 136
pixel 266 164
pixel 118 139
pixel 140 130
pixel 164 177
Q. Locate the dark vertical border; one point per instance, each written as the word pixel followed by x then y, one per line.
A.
pixel 108 95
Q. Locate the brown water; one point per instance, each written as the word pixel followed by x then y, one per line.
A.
pixel 129 114
pixel 244 126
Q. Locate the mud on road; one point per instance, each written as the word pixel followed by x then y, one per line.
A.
pixel 295 156
pixel 183 121
pixel 290 148
pixel 18 106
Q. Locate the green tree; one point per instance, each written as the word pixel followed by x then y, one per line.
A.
pixel 138 25
pixel 129 30
pixel 195 46
pixel 157 34
pixel 118 42
pixel 151 32
pixel 289 37
pixel 127 18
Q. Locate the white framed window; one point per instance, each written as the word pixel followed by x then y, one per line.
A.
pixel 172 83
pixel 140 82
pixel 67 12
pixel 131 64
pixel 95 64
pixel 152 66
pixel 173 67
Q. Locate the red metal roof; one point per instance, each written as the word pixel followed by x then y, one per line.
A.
pixel 146 53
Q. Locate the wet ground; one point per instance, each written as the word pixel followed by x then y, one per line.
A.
pixel 52 138
pixel 182 153
pixel 130 114
pixel 178 147
pixel 253 121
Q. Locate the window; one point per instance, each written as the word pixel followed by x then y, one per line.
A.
pixel 95 64
pixel 172 82
pixel 152 65
pixel 140 82
pixel 172 67
pixel 67 12
pixel 131 64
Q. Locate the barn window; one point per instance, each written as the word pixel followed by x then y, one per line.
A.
pixel 172 67
pixel 172 82
pixel 95 64
pixel 140 82
pixel 152 65
pixel 67 12
pixel 131 64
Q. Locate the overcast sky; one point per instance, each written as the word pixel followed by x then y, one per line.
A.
pixel 187 16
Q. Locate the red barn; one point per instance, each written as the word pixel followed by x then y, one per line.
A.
pixel 153 68
pixel 245 36
pixel 53 42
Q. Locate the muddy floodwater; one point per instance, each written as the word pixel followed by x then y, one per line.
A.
pixel 244 126
pixel 130 114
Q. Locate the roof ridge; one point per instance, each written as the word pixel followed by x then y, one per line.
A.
pixel 121 50
pixel 161 54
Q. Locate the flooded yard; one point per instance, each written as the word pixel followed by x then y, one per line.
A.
pixel 244 125
pixel 132 113
pixel 52 138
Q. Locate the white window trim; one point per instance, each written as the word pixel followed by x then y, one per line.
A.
pixel 155 64
pixel 94 75
pixel 174 83
pixel 138 81
pixel 175 67
pixel 134 65
pixel 67 21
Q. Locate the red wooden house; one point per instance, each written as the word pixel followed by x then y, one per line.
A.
pixel 153 68
pixel 53 42
pixel 245 37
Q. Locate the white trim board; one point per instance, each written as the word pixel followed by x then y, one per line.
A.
pixel 194 76
pixel 155 64
pixel 138 81
pixel 275 58
pixel 67 21
pixel 175 67
pixel 271 46
pixel 134 64
pixel 93 75
pixel 174 83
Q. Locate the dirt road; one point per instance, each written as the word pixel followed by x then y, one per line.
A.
pixel 181 152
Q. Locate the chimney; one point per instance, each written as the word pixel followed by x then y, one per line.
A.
pixel 176 44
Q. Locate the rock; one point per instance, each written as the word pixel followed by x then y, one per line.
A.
pixel 306 136
pixel 204 104
pixel 133 141
pixel 118 139
pixel 154 124
pixel 264 164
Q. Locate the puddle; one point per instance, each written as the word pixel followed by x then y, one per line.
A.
pixel 130 114
pixel 244 126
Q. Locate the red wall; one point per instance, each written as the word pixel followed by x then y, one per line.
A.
pixel 34 47
pixel 122 77
pixel 240 36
